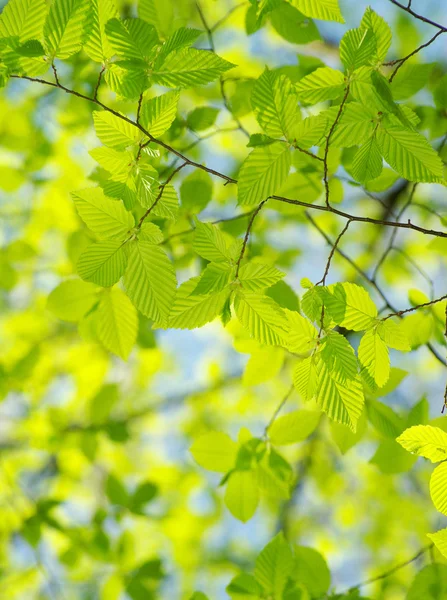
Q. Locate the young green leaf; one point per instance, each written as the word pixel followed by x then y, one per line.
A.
pixel 274 565
pixel 293 427
pixel 150 281
pixel 117 323
pixel 275 104
pixel 97 45
pixel 71 299
pixel 425 440
pixel 190 311
pixel 256 276
pixel 115 132
pixel 215 451
pixel 350 306
pixel 357 47
pixel 106 217
pixel 242 495
pixel 262 318
pixel 323 84
pixel 65 29
pixel 263 172
pixel 326 10
pixel 367 163
pixel 438 488
pixel 189 67
pixel 157 114
pixel 103 263
pixel 132 40
pixel 374 357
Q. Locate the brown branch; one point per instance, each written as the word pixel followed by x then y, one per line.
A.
pixel 222 220
pixel 247 235
pixel 98 83
pixel 399 313
pixel 229 179
pixel 160 193
pixel 393 569
pixel 401 61
pixel 277 410
pixel 371 282
pixel 221 21
pixel 326 148
pixel 209 32
pixel 140 101
pixel 416 15
pixel 332 252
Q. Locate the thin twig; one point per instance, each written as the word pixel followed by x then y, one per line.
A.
pixel 393 569
pixel 98 83
pixel 326 148
pixel 232 180
pixel 247 235
pixel 332 252
pixel 401 61
pixel 278 409
pixel 399 313
pixel 416 15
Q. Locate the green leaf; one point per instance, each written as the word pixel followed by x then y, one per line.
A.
pixel 128 84
pixel 263 365
pixel 430 583
pixel 97 45
pixel 292 25
pixel 439 538
pixel 242 495
pixel 215 451
pixel 384 419
pixel 438 488
pixel 168 205
pixel 326 10
pixel 293 427
pixel 357 48
pixel 305 377
pixel 274 565
pixel 302 334
pixel 367 163
pixel 256 276
pixel 374 357
pixel 350 306
pixel 409 153
pixel 71 299
pixel 310 131
pixel 214 278
pixel 115 491
pixel 322 84
pixel 23 20
pixel 382 33
pixel 106 217
pixel 115 132
pixel 117 323
pixel 263 172
pixel 149 232
pixel 150 281
pixel 409 79
pixel 342 401
pixel 393 335
pixel 339 357
pixel 189 67
pixel 132 40
pixel 159 13
pixel 244 587
pixel 190 312
pixel 311 570
pixel 157 114
pixel 144 494
pixel 346 439
pixel 202 117
pixel 103 263
pixel 355 125
pixel 262 318
pixel 182 38
pixel 275 104
pixel 196 191
pixel 209 242
pixel 425 440
pixel 65 27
